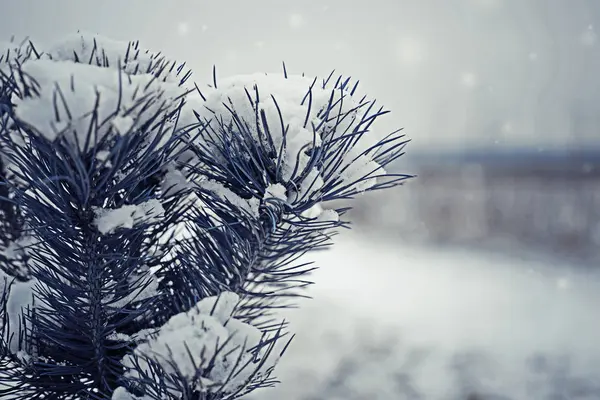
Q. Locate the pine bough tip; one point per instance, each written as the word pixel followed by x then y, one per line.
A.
pixel 151 227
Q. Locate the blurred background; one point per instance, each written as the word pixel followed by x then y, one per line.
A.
pixel 476 280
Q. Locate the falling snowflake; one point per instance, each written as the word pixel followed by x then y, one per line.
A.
pixel 468 79
pixel 183 28
pixel 507 127
pixel 589 36
pixel 410 51
pixel 296 21
pixel 563 283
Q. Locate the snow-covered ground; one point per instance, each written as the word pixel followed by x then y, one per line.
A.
pixel 392 321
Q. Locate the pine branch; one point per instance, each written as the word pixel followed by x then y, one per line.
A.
pixel 87 277
pixel 242 156
pixel 156 230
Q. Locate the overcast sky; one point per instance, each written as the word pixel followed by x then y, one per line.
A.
pixel 454 72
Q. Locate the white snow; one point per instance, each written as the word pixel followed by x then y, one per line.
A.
pixel 174 182
pixel 76 86
pixel 204 329
pixel 485 324
pixel 90 82
pixel 138 61
pixel 289 94
pixel 82 45
pixel 144 286
pixel 356 170
pixel 328 216
pixel 321 215
pixel 220 307
pixel 122 123
pixel 250 205
pixel 313 182
pixel 276 191
pixel 108 220
pixel 115 114
pixel 313 212
pixel 122 394
pixel 102 156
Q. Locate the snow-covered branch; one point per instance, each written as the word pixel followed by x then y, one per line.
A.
pixel 154 225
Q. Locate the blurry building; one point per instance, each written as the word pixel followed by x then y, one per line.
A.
pixel 539 201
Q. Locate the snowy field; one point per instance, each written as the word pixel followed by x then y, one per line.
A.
pixel 390 321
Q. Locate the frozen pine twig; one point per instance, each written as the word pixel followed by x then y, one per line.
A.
pixel 151 226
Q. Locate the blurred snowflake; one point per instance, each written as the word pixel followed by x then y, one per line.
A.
pixel 589 36
pixel 183 28
pixel 296 21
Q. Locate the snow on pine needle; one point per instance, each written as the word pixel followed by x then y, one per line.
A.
pixel 153 226
pixel 68 92
pixel 126 216
pixel 205 338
